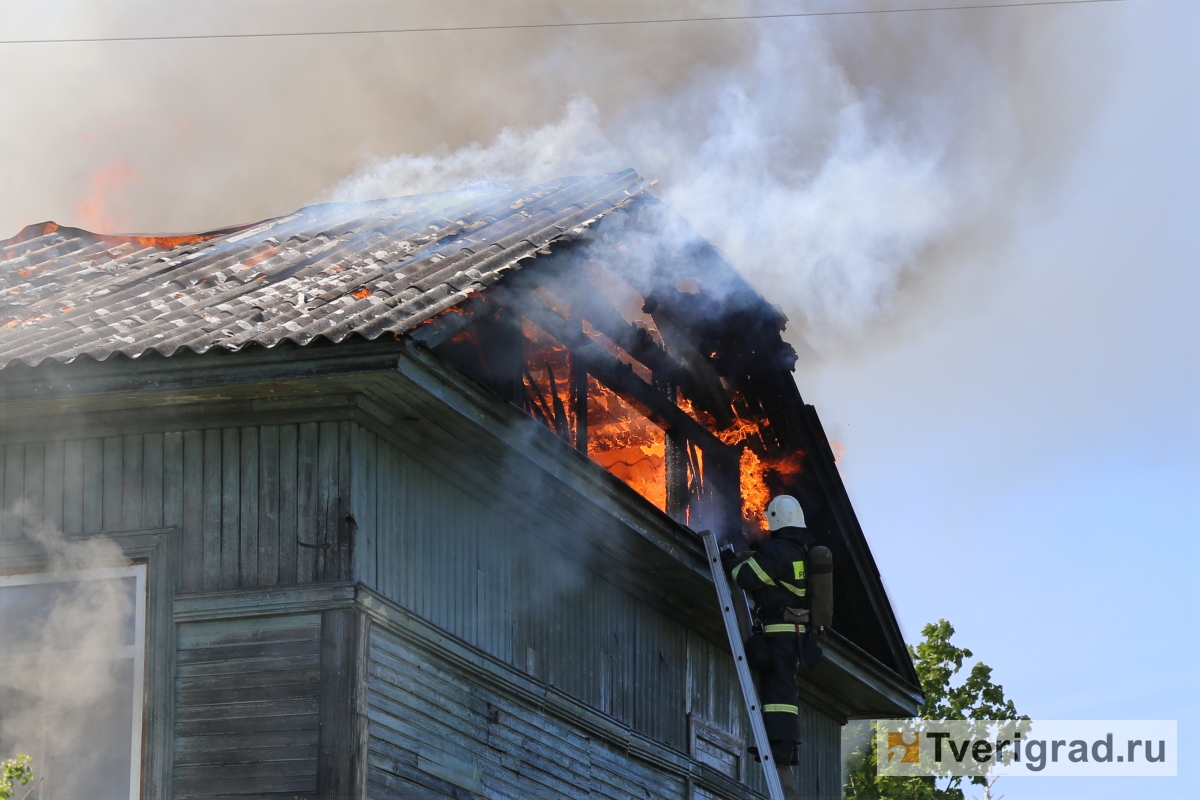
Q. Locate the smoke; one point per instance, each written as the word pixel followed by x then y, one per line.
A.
pixel 833 164
pixel 574 143
pixel 839 162
pixel 66 687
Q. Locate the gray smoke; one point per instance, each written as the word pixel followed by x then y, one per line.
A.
pixel 832 163
pixel 65 690
pixel 838 161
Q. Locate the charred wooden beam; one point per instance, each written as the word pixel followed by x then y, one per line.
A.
pixel 638 342
pixel 579 386
pixel 621 379
pixel 707 391
pixel 675 462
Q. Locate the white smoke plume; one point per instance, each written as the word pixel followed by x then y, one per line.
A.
pixel 65 691
pixel 829 167
pixel 837 161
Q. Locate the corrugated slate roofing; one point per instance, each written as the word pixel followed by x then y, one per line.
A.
pixel 332 271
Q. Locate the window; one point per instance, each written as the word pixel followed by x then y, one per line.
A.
pixel 72 651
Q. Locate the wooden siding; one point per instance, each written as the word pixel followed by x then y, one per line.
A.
pixel 819 773
pixel 428 545
pixel 244 498
pixel 435 733
pixel 246 714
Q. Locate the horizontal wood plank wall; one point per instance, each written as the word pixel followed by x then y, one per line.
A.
pixel 246 714
pixel 244 498
pixel 430 546
pixel 434 733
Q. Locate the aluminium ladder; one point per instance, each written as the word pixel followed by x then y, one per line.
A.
pixel 753 710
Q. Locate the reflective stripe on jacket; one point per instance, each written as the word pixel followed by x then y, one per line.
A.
pixel 776 575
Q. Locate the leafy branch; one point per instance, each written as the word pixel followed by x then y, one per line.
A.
pixel 14 771
pixel 938 662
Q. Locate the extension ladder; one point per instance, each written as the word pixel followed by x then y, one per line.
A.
pixel 753 710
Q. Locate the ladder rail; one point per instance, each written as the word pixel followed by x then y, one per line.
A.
pixel 749 693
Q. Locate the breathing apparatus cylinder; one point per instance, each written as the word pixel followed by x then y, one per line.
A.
pixel 820 586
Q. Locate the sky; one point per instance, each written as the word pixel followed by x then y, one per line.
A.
pixel 1022 441
pixel 980 223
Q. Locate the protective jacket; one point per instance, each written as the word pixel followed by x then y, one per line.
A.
pixel 776 578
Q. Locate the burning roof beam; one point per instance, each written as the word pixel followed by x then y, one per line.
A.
pixel 706 390
pixel 621 379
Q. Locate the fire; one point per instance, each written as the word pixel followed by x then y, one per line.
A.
pixel 626 443
pixel 753 467
pixel 547 376
pixel 619 438
pixel 95 209
pixel 629 445
pixel 756 493
pixel 160 242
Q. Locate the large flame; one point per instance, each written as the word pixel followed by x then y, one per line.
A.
pixel 631 446
pixel 753 466
pixel 626 443
pixel 620 439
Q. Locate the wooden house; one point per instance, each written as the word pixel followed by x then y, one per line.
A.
pixel 405 495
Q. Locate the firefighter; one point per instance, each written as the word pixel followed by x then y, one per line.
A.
pixel 776 578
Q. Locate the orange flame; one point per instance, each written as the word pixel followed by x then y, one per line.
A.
pixel 628 444
pixel 94 210
pixel 753 467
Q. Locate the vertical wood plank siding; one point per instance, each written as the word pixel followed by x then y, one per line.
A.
pixel 233 492
pixel 430 546
pixel 820 770
pixel 246 498
pixel 434 731
pixel 433 549
pixel 246 707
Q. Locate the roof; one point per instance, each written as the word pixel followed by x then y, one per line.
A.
pixel 334 271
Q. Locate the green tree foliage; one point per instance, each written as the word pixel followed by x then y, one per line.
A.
pixel 14 771
pixel 938 662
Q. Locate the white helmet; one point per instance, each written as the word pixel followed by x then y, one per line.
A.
pixel 784 512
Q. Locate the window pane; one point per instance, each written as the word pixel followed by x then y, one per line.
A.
pixel 70 680
pixel 26 610
pixel 96 762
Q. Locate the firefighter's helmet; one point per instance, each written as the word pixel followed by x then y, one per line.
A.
pixel 784 512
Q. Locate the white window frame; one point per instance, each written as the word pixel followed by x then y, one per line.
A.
pixel 136 651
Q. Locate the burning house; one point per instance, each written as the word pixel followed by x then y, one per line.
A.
pixel 400 500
